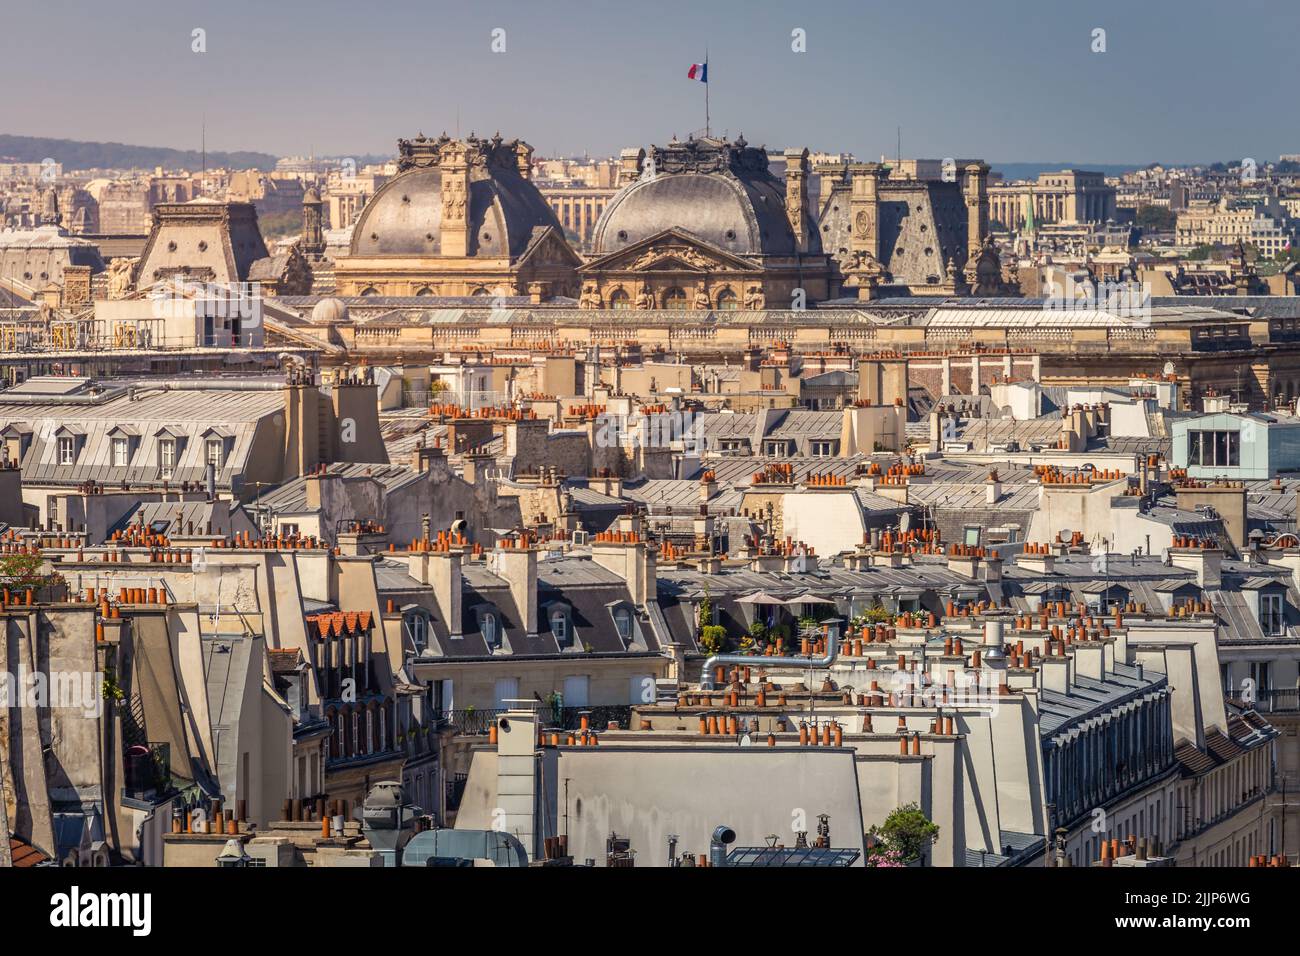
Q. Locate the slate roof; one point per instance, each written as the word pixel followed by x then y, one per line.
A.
pixel 1090 698
pixel 225 666
pixel 668 495
pixel 174 518
pixel 291 496
pixel 154 415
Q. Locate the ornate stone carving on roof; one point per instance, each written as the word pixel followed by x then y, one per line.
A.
pixel 425 152
pixel 709 156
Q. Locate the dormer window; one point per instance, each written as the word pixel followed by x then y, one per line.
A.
pixel 121 452
pixel 418 628
pixel 560 626
pixel 216 451
pixel 489 628
pixel 167 457
pixel 623 623
pixel 1272 619
pixel 67 450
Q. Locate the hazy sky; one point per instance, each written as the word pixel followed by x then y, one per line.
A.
pixel 1180 81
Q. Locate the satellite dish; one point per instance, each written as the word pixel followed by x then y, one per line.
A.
pixel 746 740
pixel 1169 368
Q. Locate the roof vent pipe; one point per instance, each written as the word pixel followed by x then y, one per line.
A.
pixel 832 651
pixel 993 633
pixel 723 836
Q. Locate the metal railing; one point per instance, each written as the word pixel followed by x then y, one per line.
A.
pixel 1273 701
pixel 474 720
pixel 1281 700
pixel 471 720
pixel 570 718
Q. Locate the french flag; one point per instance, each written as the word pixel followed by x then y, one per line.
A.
pixel 698 71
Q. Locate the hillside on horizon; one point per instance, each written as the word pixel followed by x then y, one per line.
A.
pixel 80 154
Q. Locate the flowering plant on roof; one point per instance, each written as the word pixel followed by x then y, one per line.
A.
pixel 884 857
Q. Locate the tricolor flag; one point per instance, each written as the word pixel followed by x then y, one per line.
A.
pixel 698 71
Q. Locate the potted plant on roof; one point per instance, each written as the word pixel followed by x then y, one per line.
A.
pixel 713 638
pixel 902 840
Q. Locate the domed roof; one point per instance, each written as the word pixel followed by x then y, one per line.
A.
pixel 503 210
pixel 329 312
pixel 721 192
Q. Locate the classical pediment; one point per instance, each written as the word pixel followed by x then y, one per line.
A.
pixel 547 247
pixel 671 251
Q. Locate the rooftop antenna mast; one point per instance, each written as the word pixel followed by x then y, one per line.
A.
pixel 203 152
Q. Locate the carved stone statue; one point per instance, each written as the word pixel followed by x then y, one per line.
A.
pixel 702 299
pixel 644 300
pixel 864 270
pixel 649 257
pixel 693 257
pixel 754 298
pixel 119 277
pixel 590 298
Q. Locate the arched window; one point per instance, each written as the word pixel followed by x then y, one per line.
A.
pixel 727 300
pixel 490 629
pixel 479 291
pixel 370 290
pixel 675 299
pixel 419 631
pixel 619 299
pixel 424 290
pixel 560 626
pixel 623 621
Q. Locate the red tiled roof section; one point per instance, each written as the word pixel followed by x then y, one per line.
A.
pixel 23 854
pixel 1195 762
pixel 339 623
pixel 284 659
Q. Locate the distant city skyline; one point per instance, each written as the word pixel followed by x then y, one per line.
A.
pixel 1006 81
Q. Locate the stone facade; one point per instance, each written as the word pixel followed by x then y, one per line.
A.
pixel 461 218
pixel 702 225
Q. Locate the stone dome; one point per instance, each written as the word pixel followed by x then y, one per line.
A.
pixel 329 312
pixel 503 208
pixel 723 193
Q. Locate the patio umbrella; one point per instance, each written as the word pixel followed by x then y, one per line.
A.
pixel 759 597
pixel 809 598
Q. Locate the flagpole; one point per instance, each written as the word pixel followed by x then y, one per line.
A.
pixel 706 92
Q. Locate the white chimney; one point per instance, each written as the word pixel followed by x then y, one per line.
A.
pixel 518 565
pixel 517 771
